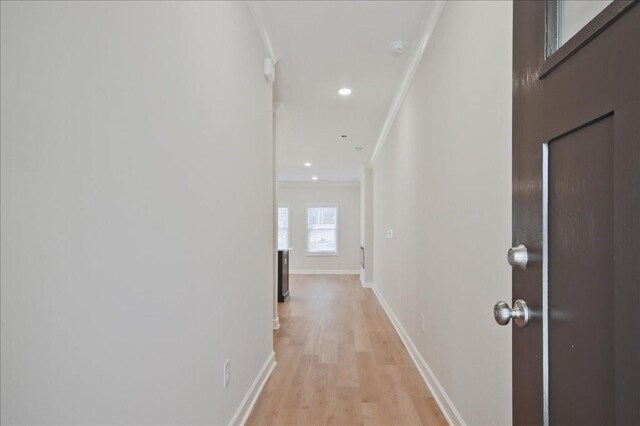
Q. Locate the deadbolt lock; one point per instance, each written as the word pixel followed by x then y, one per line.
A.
pixel 518 256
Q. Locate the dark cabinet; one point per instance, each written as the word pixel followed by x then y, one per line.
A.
pixel 283 275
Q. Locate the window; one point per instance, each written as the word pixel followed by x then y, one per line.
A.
pixel 283 227
pixel 322 230
pixel 566 17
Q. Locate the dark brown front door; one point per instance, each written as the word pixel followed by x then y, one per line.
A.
pixel 576 207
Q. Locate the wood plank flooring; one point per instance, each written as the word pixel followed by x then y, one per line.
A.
pixel 341 362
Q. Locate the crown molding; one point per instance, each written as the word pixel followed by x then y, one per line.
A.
pixel 433 16
pixel 257 12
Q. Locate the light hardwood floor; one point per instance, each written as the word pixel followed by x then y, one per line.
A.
pixel 341 362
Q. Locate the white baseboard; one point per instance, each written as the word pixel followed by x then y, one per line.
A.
pixel 244 410
pixel 324 271
pixel 442 399
pixel 276 323
pixel 363 281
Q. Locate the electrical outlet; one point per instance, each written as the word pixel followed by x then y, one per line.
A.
pixel 422 324
pixel 227 373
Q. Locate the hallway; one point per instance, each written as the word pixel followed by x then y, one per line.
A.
pixel 340 361
pixel 320 212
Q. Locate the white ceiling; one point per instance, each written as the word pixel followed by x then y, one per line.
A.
pixel 322 46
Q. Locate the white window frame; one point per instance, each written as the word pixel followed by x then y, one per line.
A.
pixel 306 237
pixel 284 206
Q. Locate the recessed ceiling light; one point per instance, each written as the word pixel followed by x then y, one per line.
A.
pixel 307 164
pixel 345 91
pixel 359 148
pixel 314 178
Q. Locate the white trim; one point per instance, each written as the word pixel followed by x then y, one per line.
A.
pixel 433 16
pixel 249 401
pixel 449 411
pixel 305 184
pixel 276 323
pixel 324 272
pixel 257 12
pixel 545 284
pixel 364 283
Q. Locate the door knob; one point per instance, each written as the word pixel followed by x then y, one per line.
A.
pixel 520 313
pixel 518 256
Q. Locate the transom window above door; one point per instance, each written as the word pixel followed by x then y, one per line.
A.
pixel 322 230
pixel 566 17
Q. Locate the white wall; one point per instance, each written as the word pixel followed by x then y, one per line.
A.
pixel 442 183
pixel 348 200
pixel 136 211
pixel 366 223
pixel 274 220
